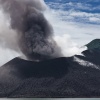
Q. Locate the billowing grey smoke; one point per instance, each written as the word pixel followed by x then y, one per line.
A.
pixel 34 33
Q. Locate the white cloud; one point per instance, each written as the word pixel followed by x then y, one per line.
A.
pixel 69 48
pixel 94 19
pixel 71 35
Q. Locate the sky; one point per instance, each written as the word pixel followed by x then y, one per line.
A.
pixel 75 23
pixel 80 20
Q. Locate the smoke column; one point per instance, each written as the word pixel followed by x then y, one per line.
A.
pixel 28 32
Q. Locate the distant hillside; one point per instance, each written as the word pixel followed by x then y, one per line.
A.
pixel 94 44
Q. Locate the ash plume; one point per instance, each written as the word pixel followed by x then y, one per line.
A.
pixel 34 34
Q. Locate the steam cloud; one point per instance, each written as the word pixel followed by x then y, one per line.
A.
pixel 27 29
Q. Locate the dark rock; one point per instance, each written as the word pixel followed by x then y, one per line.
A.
pixel 60 77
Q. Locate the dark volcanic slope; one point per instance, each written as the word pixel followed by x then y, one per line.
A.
pixel 61 77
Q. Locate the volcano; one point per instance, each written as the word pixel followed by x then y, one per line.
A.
pixel 44 71
pixel 76 76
